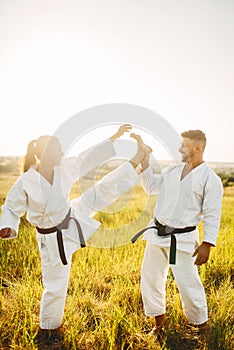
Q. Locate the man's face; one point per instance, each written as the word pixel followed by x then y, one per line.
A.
pixel 187 150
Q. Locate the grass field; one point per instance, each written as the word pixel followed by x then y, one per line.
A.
pixel 104 307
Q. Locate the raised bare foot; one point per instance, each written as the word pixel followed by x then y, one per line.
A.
pixel 139 157
pixel 141 143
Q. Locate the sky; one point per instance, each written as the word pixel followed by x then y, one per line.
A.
pixel 61 57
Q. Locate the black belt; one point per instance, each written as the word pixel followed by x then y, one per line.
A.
pixel 58 229
pixel 166 231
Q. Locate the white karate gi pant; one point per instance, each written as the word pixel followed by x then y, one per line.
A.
pixel 153 283
pixel 55 281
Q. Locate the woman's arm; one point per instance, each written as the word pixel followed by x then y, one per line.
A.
pixel 13 208
pixel 122 129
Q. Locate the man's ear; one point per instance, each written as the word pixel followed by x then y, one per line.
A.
pixel 199 148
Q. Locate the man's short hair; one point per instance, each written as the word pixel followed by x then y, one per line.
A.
pixel 196 135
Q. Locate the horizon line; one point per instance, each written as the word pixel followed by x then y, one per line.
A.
pixel 159 160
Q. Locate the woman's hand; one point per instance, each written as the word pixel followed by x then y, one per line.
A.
pixel 7 232
pixel 122 129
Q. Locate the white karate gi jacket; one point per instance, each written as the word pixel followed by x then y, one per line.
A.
pixel 47 205
pixel 182 203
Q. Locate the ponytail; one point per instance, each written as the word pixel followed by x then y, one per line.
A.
pixel 30 157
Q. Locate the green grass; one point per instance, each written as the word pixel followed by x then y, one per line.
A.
pixel 104 307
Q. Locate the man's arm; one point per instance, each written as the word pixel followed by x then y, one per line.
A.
pixel 150 182
pixel 203 253
pixel 212 206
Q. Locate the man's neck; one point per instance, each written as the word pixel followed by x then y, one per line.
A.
pixel 193 164
pixel 189 167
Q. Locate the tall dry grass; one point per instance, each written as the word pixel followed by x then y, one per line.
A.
pixel 104 308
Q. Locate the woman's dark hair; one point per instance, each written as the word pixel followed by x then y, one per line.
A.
pixel 30 157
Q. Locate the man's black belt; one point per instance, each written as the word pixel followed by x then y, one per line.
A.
pixel 58 229
pixel 164 231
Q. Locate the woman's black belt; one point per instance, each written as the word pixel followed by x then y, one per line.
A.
pixel 58 229
pixel 166 231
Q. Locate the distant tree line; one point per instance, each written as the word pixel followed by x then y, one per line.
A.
pixel 10 165
pixel 227 179
pixel 13 165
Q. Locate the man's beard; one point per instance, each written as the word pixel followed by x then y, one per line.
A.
pixel 187 157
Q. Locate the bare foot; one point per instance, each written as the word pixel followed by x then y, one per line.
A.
pixel 139 157
pixel 158 333
pixel 141 143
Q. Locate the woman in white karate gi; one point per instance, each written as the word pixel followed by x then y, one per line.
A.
pixel 42 191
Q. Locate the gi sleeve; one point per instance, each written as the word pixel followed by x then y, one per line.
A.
pixel 212 206
pixel 89 159
pixel 150 182
pixel 14 207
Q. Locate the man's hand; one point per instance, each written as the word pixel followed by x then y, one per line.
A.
pixel 202 252
pixel 6 232
pixel 122 129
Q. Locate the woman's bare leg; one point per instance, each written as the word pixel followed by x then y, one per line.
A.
pixel 147 150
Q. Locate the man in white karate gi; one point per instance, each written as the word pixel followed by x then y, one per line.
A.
pixel 188 193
